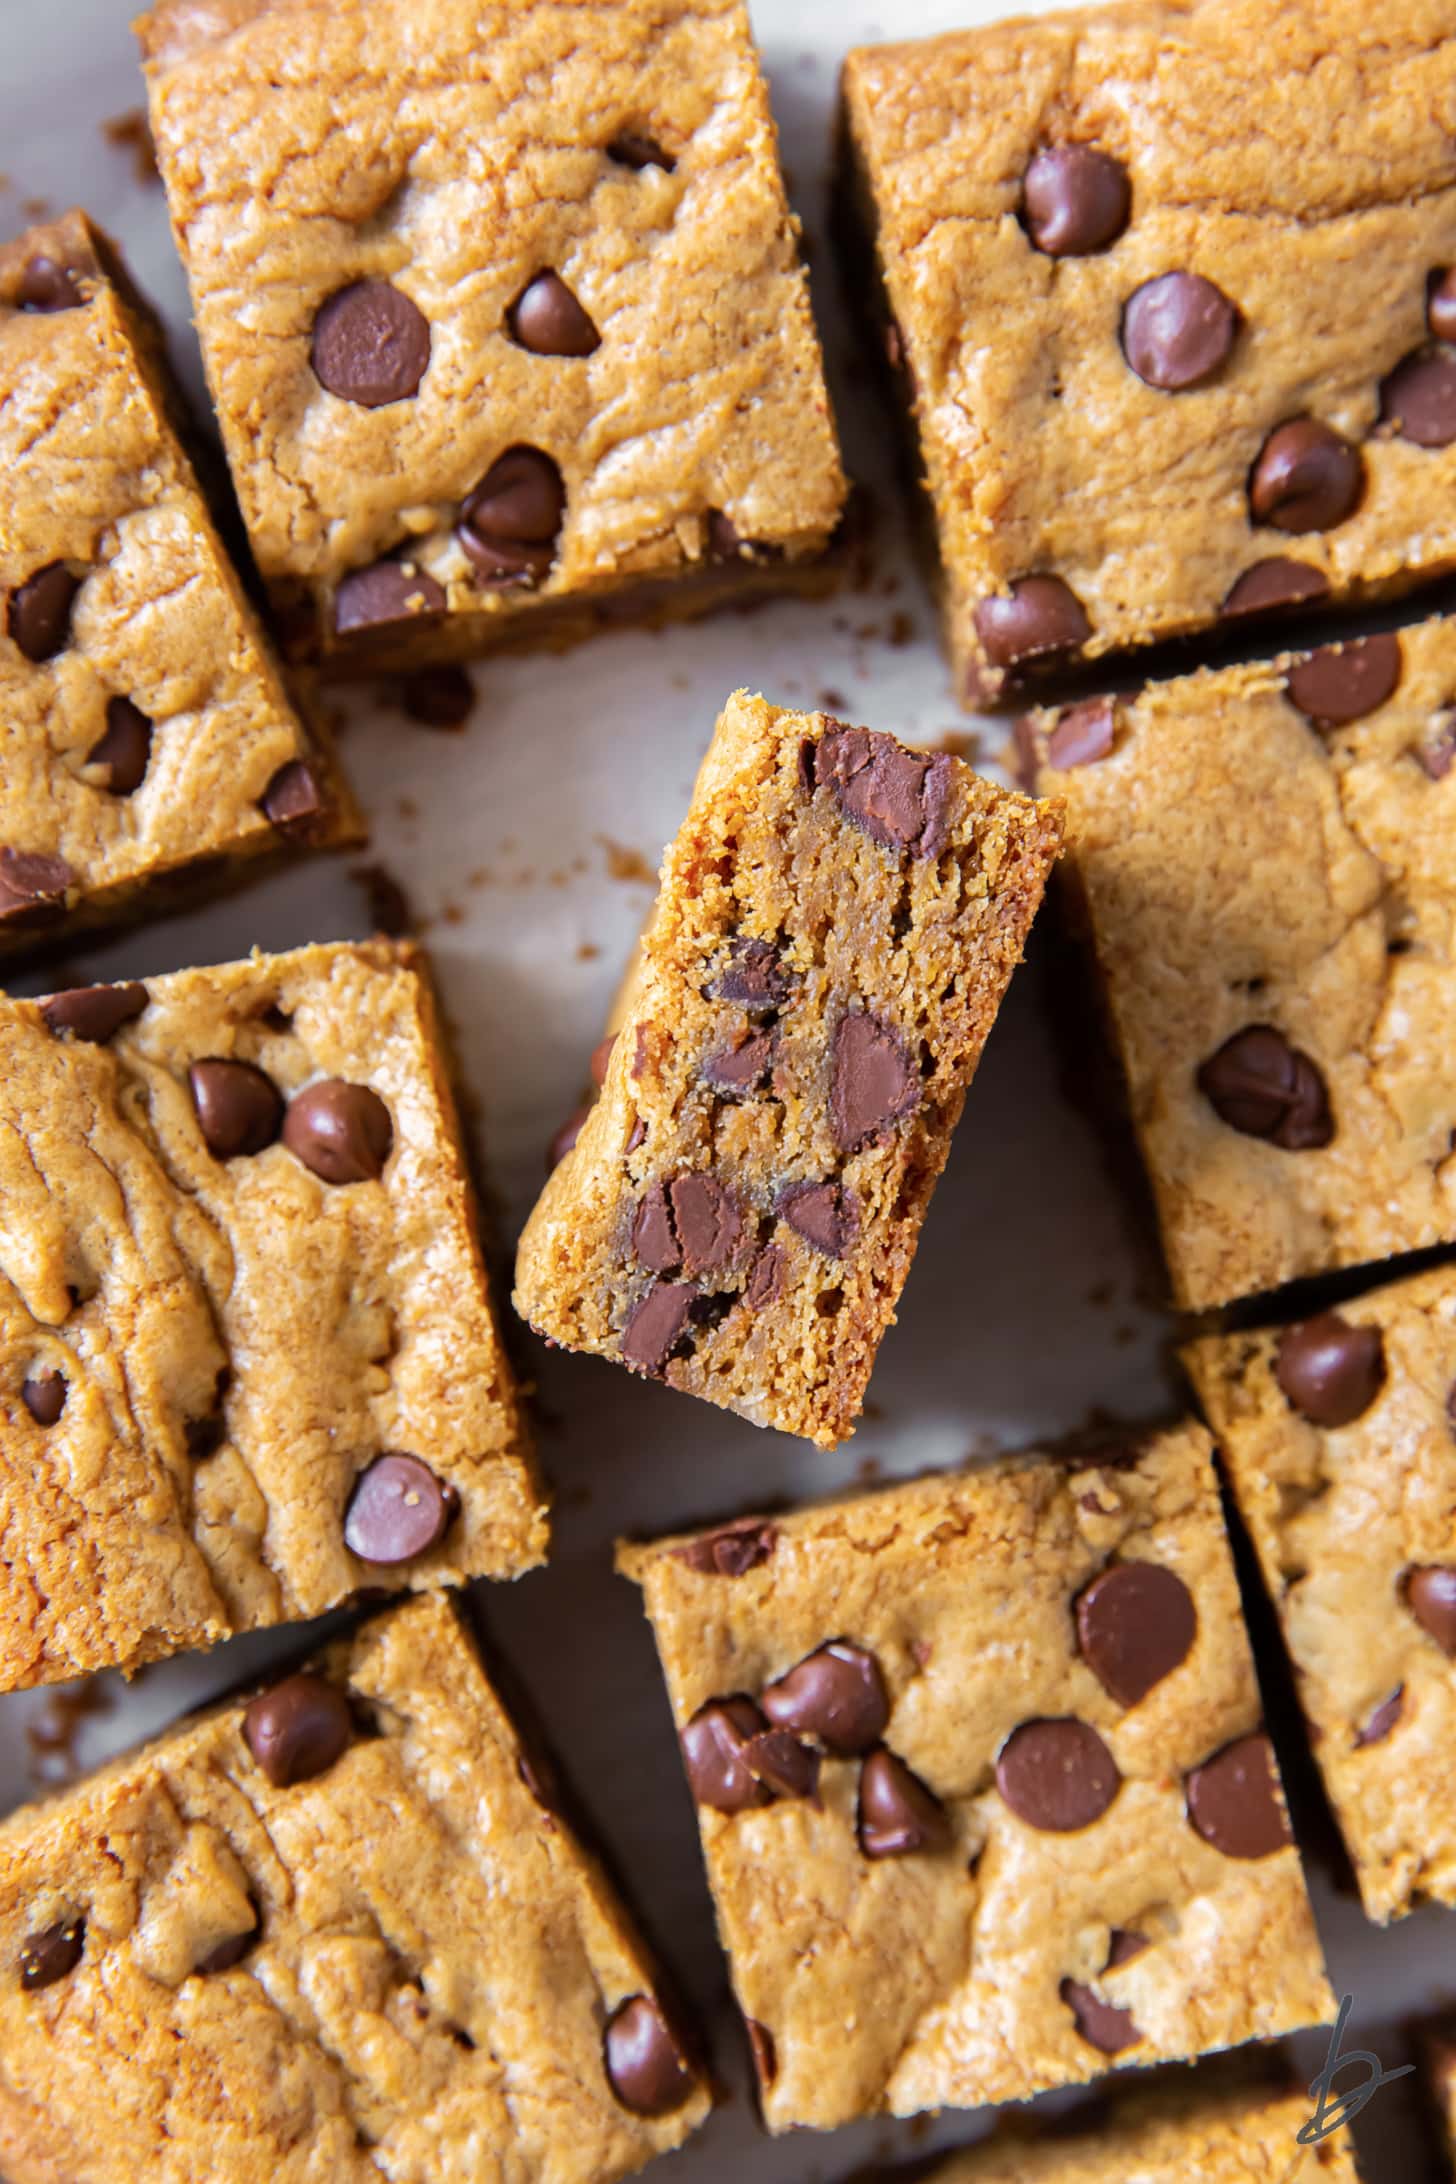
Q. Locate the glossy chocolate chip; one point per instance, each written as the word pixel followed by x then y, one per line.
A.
pixel 898 1815
pixel 33 886
pixel 229 1953
pixel 294 802
pixel 645 2067
pixel 766 1278
pixel 782 1764
pixel 566 1137
pixel 1177 331
pixel 510 524
pixel 50 1955
pixel 93 1013
pixel 1037 618
pixel 634 148
pixel 873 1083
pixel 895 796
pixel 1441 303
pixel 387 591
pixel 836 1694
pixel 44 1395
pixel 714 1747
pixel 1075 200
pixel 739 1070
pixel 1430 1594
pixel 1330 1370
pixel 39 614
pixel 239 1109
pixel 1263 1087
pixel 1306 477
pixel 341 1132
pixel 47 285
pixel 1136 1623
pixel 826 1215
pixel 124 749
pixel 1234 1800
pixel 1083 734
pixel 1276 582
pixel 371 345
pixel 1437 754
pixel 1057 1774
pixel 656 1325
pixel 299 1729
pixel 1100 2023
pixel 732 1550
pixel 547 319
pixel 694 1223
pixel 1383 1719
pixel 398 1511
pixel 1341 683
pixel 1419 398
pixel 753 977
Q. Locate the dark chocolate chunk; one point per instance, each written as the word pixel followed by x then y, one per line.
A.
pixel 732 1550
pixel 47 285
pixel 897 797
pixel 656 1324
pixel 44 1395
pixel 294 802
pixel 634 148
pixel 1083 734
pixel 371 345
pixel 1330 1370
pixel 898 1815
pixel 1383 1719
pixel 1259 1084
pixel 1441 303
pixel 836 1694
pixel 1135 1624
pixel 50 1955
pixel 694 1223
pixel 94 1013
pixel 645 2067
pixel 239 1109
pixel 1419 398
pixel 1234 1800
pixel 714 1747
pixel 1075 200
pixel 124 749
pixel 547 319
pixel 740 1069
pixel 1057 1774
pixel 782 1764
pixel 39 614
pixel 1123 1944
pixel 438 697
pixel 753 977
pixel 1430 1592
pixel 565 1137
pixel 1341 683
pixel 33 886
pixel 398 1511
pixel 873 1083
pixel 387 591
pixel 601 1057
pixel 299 1729
pixel 1177 331
pixel 766 1279
pixel 510 524
pixel 1038 617
pixel 826 1215
pixel 1306 478
pixel 1276 582
pixel 1100 2023
pixel 342 1132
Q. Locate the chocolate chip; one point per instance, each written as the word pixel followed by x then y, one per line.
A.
pixel 1341 683
pixel 826 1215
pixel 48 1956
pixel 294 802
pixel 1329 1370
pixel 1441 303
pixel 1436 754
pixel 1075 200
pixel 439 697
pixel 1057 1774
pixel 33 886
pixel 1234 1800
pixel 1306 477
pixel 1383 1720
pixel 645 2067
pixel 740 1069
pixel 727 543
pixel 765 2055
pixel 766 1279
pixel 1038 617
pixel 510 524
pixel 342 1132
pixel 656 1324
pixel 601 1057
pixel 732 1550
pixel 205 1436
pixel 1419 398
pixel 897 1814
pixel 634 148
pixel 387 591
pixel 239 1109
pixel 39 614
pixel 873 1083
pixel 1177 331
pixel 371 345
pixel 46 285
pixel 94 1013
pixel 754 978
pixel 694 1223
pixel 124 749
pixel 1260 1085
pixel 714 1745
pixel 1083 734
pixel 1277 582
pixel 782 1764
pixel 398 1511
pixel 896 797
pixel 1135 1624
pixel 1100 2023
pixel 44 1395
pixel 1123 1944
pixel 836 1694
pixel 299 1729
pixel 230 1952
pixel 566 1137
pixel 547 319
pixel 1430 1593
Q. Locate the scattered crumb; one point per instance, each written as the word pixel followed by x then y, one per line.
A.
pixel 627 864
pixel 131 132
pixel 588 952
pixel 831 701
pixel 384 899
pixel 960 743
pixel 53 1731
pixel 902 629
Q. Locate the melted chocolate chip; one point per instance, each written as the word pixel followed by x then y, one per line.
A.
pixel 547 319
pixel 1100 2023
pixel 371 345
pixel 732 1550
pixel 39 614
pixel 898 1815
pixel 714 1749
pixel 239 1109
pixel 753 977
pixel 896 797
pixel 1083 734
pixel 1037 618
pixel 1419 398
pixel 93 1013
pixel 873 1083
pixel 826 1215
pixel 783 1765
pixel 1430 1594
pixel 1234 1800
pixel 294 802
pixel 44 1395
pixel 1383 1719
pixel 1177 331
pixel 509 526
pixel 1135 1624
pixel 1057 1775
pixel 124 749
pixel 645 2067
pixel 47 285
pixel 1075 200
pixel 656 1325
pixel 1277 582
pixel 739 1070
pixel 1330 1370
pixel 387 591
pixel 33 886
pixel 836 1694
pixel 299 1729
pixel 341 1132
pixel 398 1511
pixel 766 1278
pixel 1263 1087
pixel 51 1955
pixel 1306 478
pixel 1341 683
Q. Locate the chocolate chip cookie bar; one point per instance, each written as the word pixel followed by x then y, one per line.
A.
pixel 248 1362
pixel 1170 294
pixel 500 351
pixel 331 1932
pixel 1263 858
pixel 1337 1437
pixel 838 920
pixel 148 739
pixel 982 1785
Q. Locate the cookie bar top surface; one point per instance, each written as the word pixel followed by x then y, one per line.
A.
pixel 1337 1436
pixel 250 1364
pixel 1127 250
pixel 837 922
pixel 422 241
pixel 328 1936
pixel 1267 861
pixel 142 722
pixel 981 1782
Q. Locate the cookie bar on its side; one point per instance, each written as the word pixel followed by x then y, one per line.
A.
pixel 982 1786
pixel 837 923
pixel 148 741
pixel 1336 1433
pixel 248 1361
pixel 329 1934
pixel 502 311
pixel 1169 288
pixel 1265 861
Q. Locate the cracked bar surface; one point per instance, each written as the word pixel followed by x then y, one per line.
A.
pixel 148 738
pixel 502 311
pixel 1263 860
pixel 838 920
pixel 1085 229
pixel 1338 1439
pixel 328 1935
pixel 982 1786
pixel 248 1361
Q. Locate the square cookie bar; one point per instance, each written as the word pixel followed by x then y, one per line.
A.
pixel 248 1362
pixel 981 1781
pixel 1265 860
pixel 1337 1437
pixel 837 923
pixel 333 1933
pixel 146 735
pixel 1170 290
pixel 501 307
